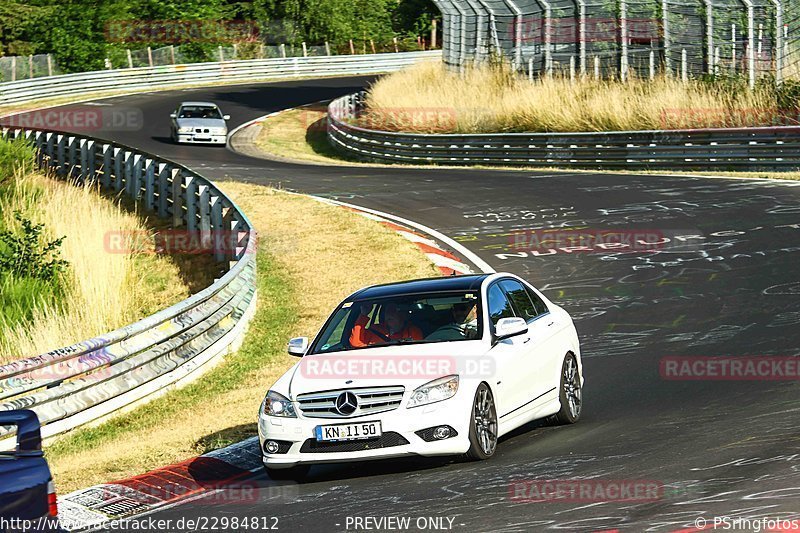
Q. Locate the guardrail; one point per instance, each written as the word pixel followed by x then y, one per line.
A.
pixel 743 149
pixel 146 78
pixel 90 380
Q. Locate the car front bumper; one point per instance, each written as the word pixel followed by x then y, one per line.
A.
pixel 399 437
pixel 202 138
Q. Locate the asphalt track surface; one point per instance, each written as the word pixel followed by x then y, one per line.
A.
pixel 720 448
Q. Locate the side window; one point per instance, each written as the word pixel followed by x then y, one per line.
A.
pixel 519 297
pixel 541 308
pixel 499 306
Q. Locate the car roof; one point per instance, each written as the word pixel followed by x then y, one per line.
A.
pixel 209 104
pixel 470 282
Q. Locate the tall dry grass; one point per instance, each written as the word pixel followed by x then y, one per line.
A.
pixel 103 290
pixel 427 98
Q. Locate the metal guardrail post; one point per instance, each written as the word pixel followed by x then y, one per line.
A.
pixel 61 159
pixel 218 234
pixel 191 203
pixel 177 197
pixel 84 156
pixel 91 171
pixel 149 184
pixel 204 210
pixel 163 189
pixel 72 157
pixel 134 185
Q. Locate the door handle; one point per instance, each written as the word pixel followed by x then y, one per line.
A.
pixel 550 324
pixel 526 341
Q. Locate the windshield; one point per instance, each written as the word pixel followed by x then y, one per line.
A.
pixel 197 111
pixel 406 319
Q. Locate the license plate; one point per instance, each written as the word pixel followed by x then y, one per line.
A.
pixel 362 430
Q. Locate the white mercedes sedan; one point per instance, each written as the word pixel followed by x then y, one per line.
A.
pixel 198 122
pixel 439 366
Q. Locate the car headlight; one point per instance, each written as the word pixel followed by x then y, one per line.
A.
pixel 221 131
pixel 434 391
pixel 278 405
pixel 185 129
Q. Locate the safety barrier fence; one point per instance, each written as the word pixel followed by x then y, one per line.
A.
pixel 743 149
pixel 626 38
pixel 90 380
pixel 146 78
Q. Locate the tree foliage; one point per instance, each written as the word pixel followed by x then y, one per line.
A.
pixel 76 31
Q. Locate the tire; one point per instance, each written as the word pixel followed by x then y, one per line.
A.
pixel 570 392
pixel 294 473
pixel 483 425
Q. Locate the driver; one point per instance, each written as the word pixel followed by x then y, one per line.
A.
pixel 464 323
pixel 396 328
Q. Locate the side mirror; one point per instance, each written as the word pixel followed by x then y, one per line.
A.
pixel 226 117
pixel 298 346
pixel 510 327
pixel 173 115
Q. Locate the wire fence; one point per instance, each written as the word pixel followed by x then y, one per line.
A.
pixel 14 68
pixel 623 38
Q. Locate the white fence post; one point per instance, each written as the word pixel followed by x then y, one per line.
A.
pixel 150 56
pixel 684 66
pixel 130 58
pixel 709 36
pixel 751 36
pixel 582 35
pixel 49 65
pixel 779 29
pixel 623 35
pixel 667 43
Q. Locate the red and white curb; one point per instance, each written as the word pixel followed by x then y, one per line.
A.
pixel 223 472
pixel 447 254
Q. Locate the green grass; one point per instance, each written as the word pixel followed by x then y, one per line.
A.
pixel 267 334
pixel 20 296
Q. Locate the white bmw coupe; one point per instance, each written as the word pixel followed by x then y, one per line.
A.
pixel 428 367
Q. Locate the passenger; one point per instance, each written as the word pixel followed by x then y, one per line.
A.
pixel 396 328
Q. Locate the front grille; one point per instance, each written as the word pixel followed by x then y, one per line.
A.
pixel 370 401
pixel 387 440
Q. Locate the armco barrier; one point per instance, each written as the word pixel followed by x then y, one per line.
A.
pixel 137 79
pixel 743 149
pixel 90 380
